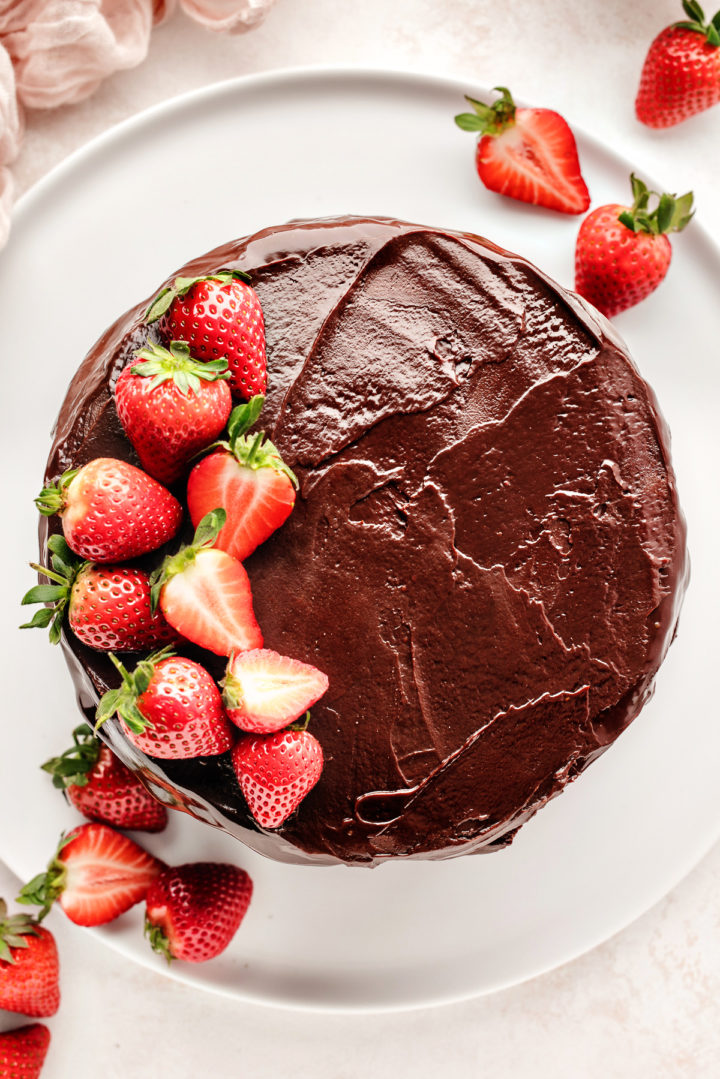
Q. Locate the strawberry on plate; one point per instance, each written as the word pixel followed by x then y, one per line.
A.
pixel 171 407
pixel 526 154
pixel 23 1051
pixel 264 691
pixel 193 911
pixel 169 707
pixel 623 252
pixel 247 478
pixel 108 607
pixel 96 875
pixel 276 771
pixel 681 73
pixel 111 511
pixel 29 966
pixel 102 788
pixel 204 593
pixel 218 316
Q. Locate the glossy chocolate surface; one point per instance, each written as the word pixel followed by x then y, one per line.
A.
pixel 486 557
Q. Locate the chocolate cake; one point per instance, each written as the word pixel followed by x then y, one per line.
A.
pixel 486 556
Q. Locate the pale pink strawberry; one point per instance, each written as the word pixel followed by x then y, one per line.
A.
pixel 264 691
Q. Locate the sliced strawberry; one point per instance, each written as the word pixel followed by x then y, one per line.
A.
pixel 96 874
pixel 169 707
pixel 264 691
pixel 23 1051
pixel 247 478
pixel 194 910
pixel 276 771
pixel 527 154
pixel 111 511
pixel 102 788
pixel 205 594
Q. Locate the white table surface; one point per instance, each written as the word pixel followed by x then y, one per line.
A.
pixel 644 1003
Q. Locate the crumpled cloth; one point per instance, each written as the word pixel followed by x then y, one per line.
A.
pixel 57 52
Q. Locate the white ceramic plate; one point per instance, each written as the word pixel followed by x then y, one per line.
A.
pixel 95 237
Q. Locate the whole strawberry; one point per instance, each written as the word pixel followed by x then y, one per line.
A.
pixel 23 1051
pixel 623 252
pixel 217 316
pixel 526 154
pixel 276 771
pixel 108 607
pixel 171 407
pixel 29 966
pixel 96 875
pixel 205 594
pixel 193 911
pixel 681 73
pixel 169 707
pixel 102 788
pixel 247 478
pixel 111 511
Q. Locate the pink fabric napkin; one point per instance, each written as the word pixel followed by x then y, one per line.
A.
pixel 57 52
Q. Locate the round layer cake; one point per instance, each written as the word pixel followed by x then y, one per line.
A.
pixel 486 556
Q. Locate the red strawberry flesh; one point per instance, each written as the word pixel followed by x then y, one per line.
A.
pixel 257 501
pixel 106 873
pixel 210 604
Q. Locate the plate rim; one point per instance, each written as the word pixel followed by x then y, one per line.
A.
pixel 404 77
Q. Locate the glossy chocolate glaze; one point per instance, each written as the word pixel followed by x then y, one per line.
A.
pixel 486 557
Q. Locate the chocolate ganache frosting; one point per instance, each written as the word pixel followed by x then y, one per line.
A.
pixel 486 555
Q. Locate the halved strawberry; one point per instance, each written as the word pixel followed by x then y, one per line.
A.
pixel 276 771
pixel 526 154
pixel 108 607
pixel 205 593
pixel 96 874
pixel 264 691
pixel 102 788
pixel 169 707
pixel 111 511
pixel 194 910
pixel 247 478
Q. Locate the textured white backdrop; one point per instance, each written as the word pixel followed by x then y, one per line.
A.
pixel 645 1003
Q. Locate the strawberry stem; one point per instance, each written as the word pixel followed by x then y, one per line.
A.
pixel 14 932
pixel 670 214
pixel 696 22
pixel 44 889
pixel 66 568
pixel 489 119
pixel 176 364
pixel 158 940
pixel 123 701
pixel 52 499
pixel 72 767
pixel 206 533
